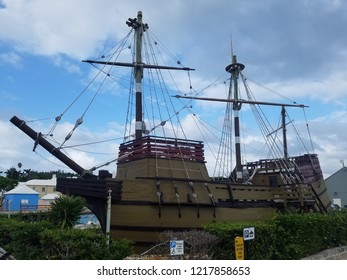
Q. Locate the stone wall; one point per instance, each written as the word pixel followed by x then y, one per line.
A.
pixel 338 253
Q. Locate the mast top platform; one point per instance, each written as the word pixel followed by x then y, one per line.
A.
pixel 137 22
pixel 234 66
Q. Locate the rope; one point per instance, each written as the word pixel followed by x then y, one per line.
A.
pixel 274 148
pixel 169 106
pixel 224 158
pixel 308 130
pixel 271 90
pixel 161 44
pixel 107 74
pixel 46 159
pixel 92 143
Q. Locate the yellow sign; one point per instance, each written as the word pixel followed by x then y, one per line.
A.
pixel 239 248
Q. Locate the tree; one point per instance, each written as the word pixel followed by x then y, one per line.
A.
pixel 7 184
pixel 13 173
pixel 66 210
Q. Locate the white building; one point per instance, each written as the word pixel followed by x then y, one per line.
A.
pixel 43 186
pixel 337 187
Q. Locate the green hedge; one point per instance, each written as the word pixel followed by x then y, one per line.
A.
pixel 285 237
pixel 41 240
pixel 74 244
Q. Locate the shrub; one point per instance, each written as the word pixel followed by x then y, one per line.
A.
pixel 88 244
pixel 65 210
pixel 42 241
pixel 22 239
pixel 198 244
pixel 286 236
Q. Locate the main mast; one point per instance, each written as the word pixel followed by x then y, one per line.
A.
pixel 234 69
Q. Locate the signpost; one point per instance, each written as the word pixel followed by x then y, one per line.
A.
pixel 239 248
pixel 176 247
pixel 248 233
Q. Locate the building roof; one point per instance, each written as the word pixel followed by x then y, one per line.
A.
pixel 43 182
pixel 340 173
pixel 50 196
pixel 22 189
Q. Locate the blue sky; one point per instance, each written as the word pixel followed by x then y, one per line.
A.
pixel 297 48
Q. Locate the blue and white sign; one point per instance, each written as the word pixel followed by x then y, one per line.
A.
pixel 176 247
pixel 248 233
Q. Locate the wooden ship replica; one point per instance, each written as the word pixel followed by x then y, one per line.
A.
pixel 162 181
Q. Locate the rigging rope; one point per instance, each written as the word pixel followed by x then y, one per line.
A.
pixel 308 130
pixel 224 154
pixel 171 112
pixel 271 90
pixel 281 163
pixel 79 121
pixel 52 162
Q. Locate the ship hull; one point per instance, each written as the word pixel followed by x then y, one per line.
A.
pixel 143 206
pixel 143 224
pixel 164 185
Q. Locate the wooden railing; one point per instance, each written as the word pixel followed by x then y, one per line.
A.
pixel 164 148
pixel 306 165
pixel 300 193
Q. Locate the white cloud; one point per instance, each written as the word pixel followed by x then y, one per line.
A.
pixel 11 58
pixel 74 28
pixel 71 68
pixel 13 147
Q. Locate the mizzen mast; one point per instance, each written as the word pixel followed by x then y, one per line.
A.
pixel 284 131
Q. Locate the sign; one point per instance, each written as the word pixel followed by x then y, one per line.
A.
pixel 239 248
pixel 248 233
pixel 176 247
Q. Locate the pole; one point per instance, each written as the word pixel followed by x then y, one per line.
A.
pixel 234 69
pixel 285 146
pixel 40 140
pixel 108 216
pixel 138 75
pixel 247 257
pixel 9 208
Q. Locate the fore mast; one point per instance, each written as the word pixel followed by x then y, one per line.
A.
pixel 138 65
pixel 139 28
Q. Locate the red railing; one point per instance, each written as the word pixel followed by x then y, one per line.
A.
pixel 164 148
